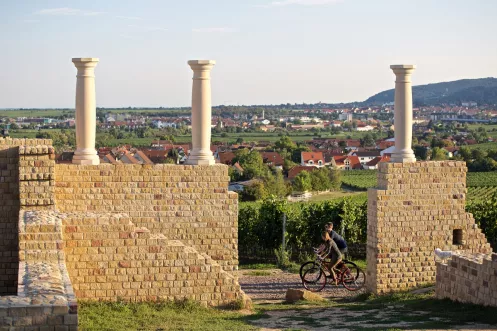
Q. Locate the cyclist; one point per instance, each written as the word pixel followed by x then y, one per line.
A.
pixel 331 250
pixel 338 239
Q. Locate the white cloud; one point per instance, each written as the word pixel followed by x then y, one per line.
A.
pixel 129 17
pixel 147 28
pixel 31 21
pixel 299 2
pixel 214 30
pixel 65 11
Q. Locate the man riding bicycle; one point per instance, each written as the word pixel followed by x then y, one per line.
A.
pixel 338 239
pixel 336 246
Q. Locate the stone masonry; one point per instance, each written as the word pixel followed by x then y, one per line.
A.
pixel 468 278
pixel 416 208
pixel 131 232
pixel 25 182
pixel 187 203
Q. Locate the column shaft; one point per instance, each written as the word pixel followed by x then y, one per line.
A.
pixel 85 112
pixel 201 113
pixel 403 114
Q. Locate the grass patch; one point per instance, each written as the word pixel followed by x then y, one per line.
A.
pixel 258 266
pixel 158 316
pixel 333 195
pixel 258 273
pixel 360 263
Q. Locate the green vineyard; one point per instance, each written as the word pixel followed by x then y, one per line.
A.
pixel 481 185
pixel 478 179
pixel 481 193
pixel 359 180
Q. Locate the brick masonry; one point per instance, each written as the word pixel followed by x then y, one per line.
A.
pixel 468 278
pixel 415 209
pixel 187 203
pixel 135 232
pixel 109 258
pixel 14 160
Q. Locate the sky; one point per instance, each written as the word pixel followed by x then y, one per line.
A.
pixel 267 52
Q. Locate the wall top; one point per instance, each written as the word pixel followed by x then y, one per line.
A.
pixel 201 62
pixel 85 59
pixel 403 66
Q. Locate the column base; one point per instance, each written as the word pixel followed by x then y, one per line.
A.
pixel 203 161
pixel 86 156
pixel 200 156
pixel 403 157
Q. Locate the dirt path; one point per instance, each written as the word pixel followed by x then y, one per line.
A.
pixel 273 288
pixel 338 319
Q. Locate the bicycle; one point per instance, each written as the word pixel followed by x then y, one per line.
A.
pixel 314 276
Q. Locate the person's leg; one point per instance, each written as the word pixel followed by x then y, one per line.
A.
pixel 336 257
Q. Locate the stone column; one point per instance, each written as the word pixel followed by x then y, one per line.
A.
pixel 403 114
pixel 86 115
pixel 201 113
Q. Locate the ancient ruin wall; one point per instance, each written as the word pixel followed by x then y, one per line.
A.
pixel 109 258
pixel 13 162
pixel 416 208
pixel 468 278
pixel 187 203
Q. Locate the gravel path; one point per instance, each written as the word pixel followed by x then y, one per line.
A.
pixel 274 286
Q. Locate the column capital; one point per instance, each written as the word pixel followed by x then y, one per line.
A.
pixel 403 69
pixel 198 64
pixel 85 61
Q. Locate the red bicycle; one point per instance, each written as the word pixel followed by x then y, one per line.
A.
pixel 315 274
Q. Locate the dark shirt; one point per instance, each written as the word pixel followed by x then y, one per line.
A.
pixel 341 243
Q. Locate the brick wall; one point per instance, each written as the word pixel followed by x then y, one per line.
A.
pixel 415 209
pixel 468 278
pixel 109 258
pixel 187 203
pixel 10 164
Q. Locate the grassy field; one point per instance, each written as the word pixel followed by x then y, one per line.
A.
pixel 35 113
pixel 484 146
pixel 333 195
pixel 358 313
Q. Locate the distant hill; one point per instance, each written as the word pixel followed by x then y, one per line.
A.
pixel 482 91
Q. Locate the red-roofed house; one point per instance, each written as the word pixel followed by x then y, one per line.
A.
pixel 312 159
pixel 338 161
pixel 373 164
pixel 226 157
pixel 142 158
pixel 352 163
pixel 156 156
pixel 292 173
pixel 273 159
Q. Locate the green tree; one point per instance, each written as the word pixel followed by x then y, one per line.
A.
pixel 274 185
pixel 320 179
pixel 465 154
pixel 251 162
pixel 367 140
pixel 285 143
pixel 335 176
pixel 438 154
pixel 302 182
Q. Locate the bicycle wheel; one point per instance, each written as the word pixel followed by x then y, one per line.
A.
pixel 354 269
pixel 314 279
pixel 306 266
pixel 353 280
